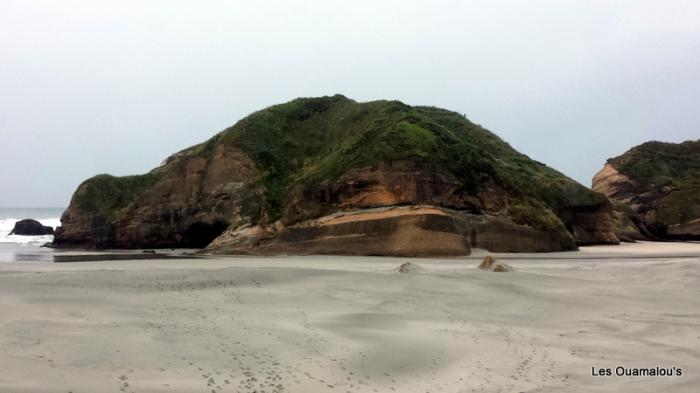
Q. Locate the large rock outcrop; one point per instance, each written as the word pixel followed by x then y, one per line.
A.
pixel 333 176
pixel 656 190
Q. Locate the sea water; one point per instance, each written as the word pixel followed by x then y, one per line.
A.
pixel 15 248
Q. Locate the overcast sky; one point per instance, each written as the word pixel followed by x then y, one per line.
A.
pixel 90 87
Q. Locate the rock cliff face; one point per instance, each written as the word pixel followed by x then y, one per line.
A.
pixel 656 189
pixel 332 176
pixel 186 202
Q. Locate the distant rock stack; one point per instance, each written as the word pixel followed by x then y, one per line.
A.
pixel 655 189
pixel 30 227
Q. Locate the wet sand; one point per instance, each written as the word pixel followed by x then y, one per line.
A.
pixel 353 324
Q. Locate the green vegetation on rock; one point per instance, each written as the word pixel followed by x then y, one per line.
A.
pixel 661 164
pixel 311 141
pixel 535 214
pixel 105 195
pixel 672 170
pixel 681 205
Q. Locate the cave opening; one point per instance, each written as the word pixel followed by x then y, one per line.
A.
pixel 200 234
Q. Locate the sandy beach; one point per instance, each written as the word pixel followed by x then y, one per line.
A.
pixel 353 324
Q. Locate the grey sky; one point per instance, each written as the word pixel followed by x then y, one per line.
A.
pixel 89 87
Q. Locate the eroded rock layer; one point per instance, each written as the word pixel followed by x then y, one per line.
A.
pixel 402 231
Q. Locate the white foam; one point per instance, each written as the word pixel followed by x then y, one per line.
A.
pixel 7 224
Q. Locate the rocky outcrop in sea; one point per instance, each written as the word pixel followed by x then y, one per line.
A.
pixel 31 227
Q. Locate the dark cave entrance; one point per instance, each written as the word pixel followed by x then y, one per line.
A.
pixel 200 234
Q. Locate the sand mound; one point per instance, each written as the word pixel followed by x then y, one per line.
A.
pixel 490 264
pixel 409 267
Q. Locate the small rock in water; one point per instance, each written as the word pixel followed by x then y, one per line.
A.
pixel 487 262
pixel 30 227
pixel 490 264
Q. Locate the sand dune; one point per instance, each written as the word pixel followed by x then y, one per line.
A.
pixel 353 324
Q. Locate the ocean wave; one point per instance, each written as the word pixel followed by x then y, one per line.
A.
pixel 7 224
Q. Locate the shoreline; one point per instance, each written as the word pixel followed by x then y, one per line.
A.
pixel 637 250
pixel 308 323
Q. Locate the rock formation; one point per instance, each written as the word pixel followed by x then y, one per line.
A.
pixel 333 176
pixel 491 265
pixel 410 268
pixel 655 189
pixel 30 227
